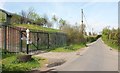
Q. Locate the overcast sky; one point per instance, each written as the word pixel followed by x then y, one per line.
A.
pixel 98 14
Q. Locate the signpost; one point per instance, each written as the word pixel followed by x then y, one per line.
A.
pixel 27 40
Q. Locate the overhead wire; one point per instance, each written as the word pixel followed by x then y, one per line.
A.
pixel 89 27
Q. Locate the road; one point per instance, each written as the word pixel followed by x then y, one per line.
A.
pixel 98 57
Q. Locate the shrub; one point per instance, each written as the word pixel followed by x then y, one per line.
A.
pixel 111 37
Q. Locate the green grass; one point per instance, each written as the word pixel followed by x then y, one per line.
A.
pixel 71 48
pixel 36 27
pixel 111 44
pixel 10 63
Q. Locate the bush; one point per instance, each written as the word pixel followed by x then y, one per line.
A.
pixel 98 36
pixel 111 37
pixel 74 35
pixel 91 39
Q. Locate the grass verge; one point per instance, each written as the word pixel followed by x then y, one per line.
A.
pixel 111 43
pixel 71 48
pixel 10 63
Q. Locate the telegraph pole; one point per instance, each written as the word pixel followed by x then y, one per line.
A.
pixel 82 16
pixel 82 24
pixel 92 31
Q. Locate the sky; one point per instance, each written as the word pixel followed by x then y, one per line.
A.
pixel 98 14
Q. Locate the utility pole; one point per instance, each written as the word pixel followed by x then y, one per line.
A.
pixel 82 24
pixel 82 16
pixel 92 32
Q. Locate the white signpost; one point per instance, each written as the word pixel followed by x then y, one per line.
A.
pixel 27 39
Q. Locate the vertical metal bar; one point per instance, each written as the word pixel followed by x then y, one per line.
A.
pixel 20 41
pixel 55 39
pixel 11 34
pixel 13 39
pixel 8 37
pixel 16 36
pixel 37 41
pixel 5 39
pixel 27 48
pixel 48 41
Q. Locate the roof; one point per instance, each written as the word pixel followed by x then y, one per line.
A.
pixel 8 13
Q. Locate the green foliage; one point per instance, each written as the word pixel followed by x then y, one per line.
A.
pixel 91 38
pixel 54 18
pixel 70 48
pixel 36 28
pixel 10 63
pixel 41 21
pixel 110 37
pixel 15 19
pixel 74 34
pixel 2 17
pixel 62 23
pixel 6 55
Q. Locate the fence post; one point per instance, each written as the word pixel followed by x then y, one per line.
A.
pixel 37 41
pixel 5 38
pixel 20 41
pixel 48 41
pixel 55 34
pixel 27 48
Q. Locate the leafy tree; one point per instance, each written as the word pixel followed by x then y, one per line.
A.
pixel 111 36
pixel 15 19
pixel 62 23
pixel 82 28
pixel 41 21
pixel 31 14
pixel 34 18
pixel 55 20
pixel 2 17
pixel 74 34
pixel 23 16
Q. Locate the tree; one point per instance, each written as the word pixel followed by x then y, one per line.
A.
pixel 82 28
pixel 2 17
pixel 106 32
pixel 62 23
pixel 55 20
pixel 23 16
pixel 31 14
pixel 74 35
pixel 41 21
pixel 90 34
pixel 49 24
pixel 15 19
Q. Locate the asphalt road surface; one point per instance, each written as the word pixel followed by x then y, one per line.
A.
pixel 98 57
